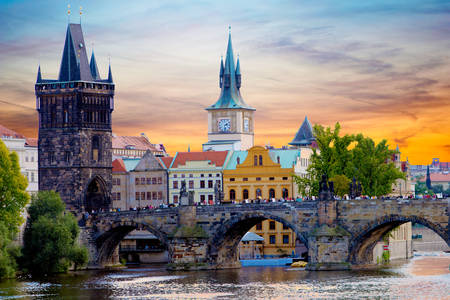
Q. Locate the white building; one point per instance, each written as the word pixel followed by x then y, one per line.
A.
pixel 27 150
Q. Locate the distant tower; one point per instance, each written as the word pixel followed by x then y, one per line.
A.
pixel 230 119
pixel 304 136
pixel 75 155
pixel 428 180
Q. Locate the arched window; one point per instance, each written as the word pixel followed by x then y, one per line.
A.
pixel 278 159
pixel 285 193
pixel 232 195
pixel 260 160
pixel 258 193
pixel 271 193
pixel 255 160
pixel 245 194
pixel 238 160
pixel 96 148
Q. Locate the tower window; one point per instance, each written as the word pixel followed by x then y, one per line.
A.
pixel 67 156
pixel 260 160
pixel 51 157
pixel 255 160
pixel 96 148
pixel 238 160
pixel 66 117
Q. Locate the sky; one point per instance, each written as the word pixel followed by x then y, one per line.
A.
pixel 381 68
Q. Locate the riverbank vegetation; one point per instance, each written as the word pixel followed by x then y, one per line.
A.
pixel 347 156
pixel 50 237
pixel 13 199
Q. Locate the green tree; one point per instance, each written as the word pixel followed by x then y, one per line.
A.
pixel 366 161
pixel 13 199
pixel 13 184
pixel 50 237
pixel 438 188
pixel 341 185
pixel 371 166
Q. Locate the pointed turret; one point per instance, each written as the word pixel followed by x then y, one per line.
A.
pixel 74 63
pixel 304 136
pixel 230 96
pixel 93 66
pixel 428 180
pixel 238 74
pixel 39 76
pixel 110 78
pixel 221 72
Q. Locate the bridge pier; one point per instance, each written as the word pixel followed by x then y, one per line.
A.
pixel 328 244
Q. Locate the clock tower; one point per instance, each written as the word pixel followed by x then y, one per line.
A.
pixel 230 119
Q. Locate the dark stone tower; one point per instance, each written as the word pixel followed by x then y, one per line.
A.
pixel 75 151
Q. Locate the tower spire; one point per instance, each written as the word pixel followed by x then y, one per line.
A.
pixel 110 78
pixel 238 74
pixel 39 76
pixel 230 81
pixel 93 67
pixel 221 72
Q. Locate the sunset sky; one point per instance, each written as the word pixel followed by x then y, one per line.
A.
pixel 381 68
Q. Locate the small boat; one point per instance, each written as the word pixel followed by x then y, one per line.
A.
pixel 299 264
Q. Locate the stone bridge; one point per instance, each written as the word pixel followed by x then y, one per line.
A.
pixel 338 234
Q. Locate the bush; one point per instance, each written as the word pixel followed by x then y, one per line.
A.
pixel 50 237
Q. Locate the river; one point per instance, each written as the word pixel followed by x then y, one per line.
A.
pixel 423 277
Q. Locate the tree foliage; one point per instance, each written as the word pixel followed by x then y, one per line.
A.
pixel 351 156
pixel 13 184
pixel 50 237
pixel 341 184
pixel 13 199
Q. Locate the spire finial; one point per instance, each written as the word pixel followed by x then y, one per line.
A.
pixel 229 29
pixel 68 13
pixel 81 12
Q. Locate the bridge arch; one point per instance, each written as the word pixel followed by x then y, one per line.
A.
pixel 222 249
pixel 364 241
pixel 114 232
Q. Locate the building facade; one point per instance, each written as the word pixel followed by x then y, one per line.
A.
pixel 139 183
pixel 230 119
pixel 260 173
pixel 74 110
pixel 200 171
pixel 27 151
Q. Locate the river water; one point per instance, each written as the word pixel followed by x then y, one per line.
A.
pixel 423 277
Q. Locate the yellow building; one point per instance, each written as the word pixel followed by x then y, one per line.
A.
pixel 279 240
pixel 260 173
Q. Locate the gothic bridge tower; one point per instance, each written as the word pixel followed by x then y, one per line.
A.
pixel 230 119
pixel 75 151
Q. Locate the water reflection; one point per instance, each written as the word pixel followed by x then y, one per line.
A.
pixel 250 283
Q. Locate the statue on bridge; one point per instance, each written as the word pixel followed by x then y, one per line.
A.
pixel 355 189
pixel 184 197
pixel 326 189
pixel 218 194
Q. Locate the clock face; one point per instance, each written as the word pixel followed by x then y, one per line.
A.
pixel 224 125
pixel 246 126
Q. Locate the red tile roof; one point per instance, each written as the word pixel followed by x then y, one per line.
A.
pixel 118 165
pixel 6 132
pixel 437 177
pixel 138 142
pixel 215 157
pixel 31 142
pixel 166 161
